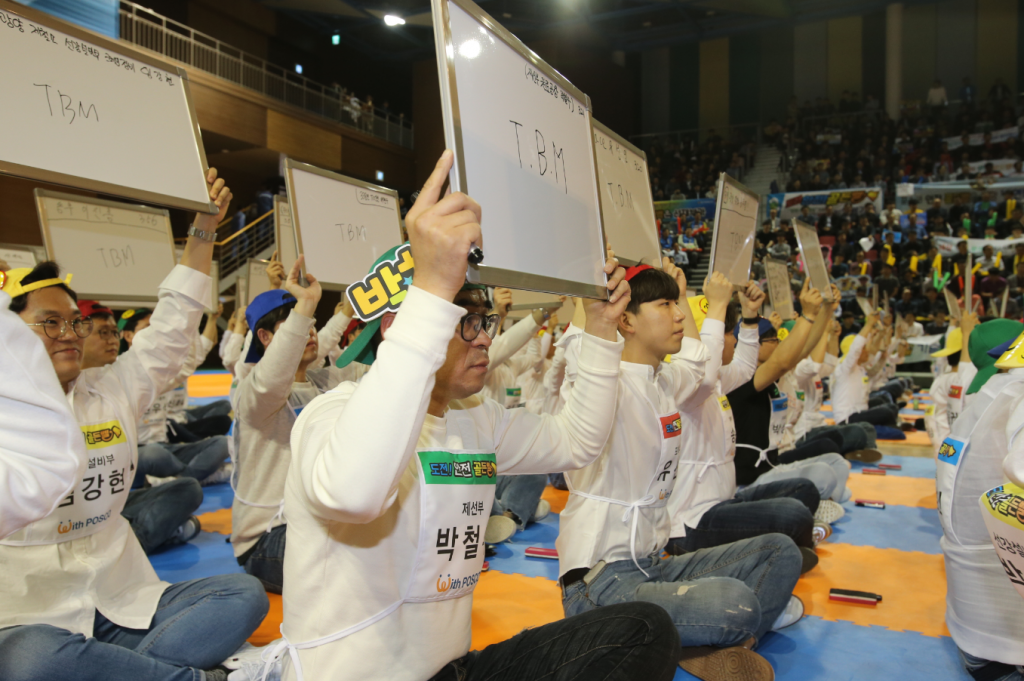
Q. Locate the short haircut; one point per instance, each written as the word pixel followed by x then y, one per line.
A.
pixel 732 315
pixel 650 285
pixel 268 322
pixel 41 272
pixel 132 322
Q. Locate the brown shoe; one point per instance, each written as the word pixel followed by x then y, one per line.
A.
pixel 738 663
pixel 864 455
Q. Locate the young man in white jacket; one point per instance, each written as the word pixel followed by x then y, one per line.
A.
pixel 391 481
pixel 936 417
pixel 103 615
pixel 861 360
pixel 616 522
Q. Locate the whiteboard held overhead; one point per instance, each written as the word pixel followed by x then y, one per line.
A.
pixel 342 225
pixel 84 111
pixel 524 150
pixel 627 205
pixel 778 288
pixel 256 279
pixel 284 233
pixel 814 261
pixel 114 250
pixel 732 244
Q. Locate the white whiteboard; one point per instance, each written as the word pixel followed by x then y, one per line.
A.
pixel 342 224
pixel 18 256
pixel 814 261
pixel 114 250
pixel 732 244
pixel 87 112
pixel 524 302
pixel 524 151
pixel 255 279
pixel 778 288
pixel 626 201
pixel 284 233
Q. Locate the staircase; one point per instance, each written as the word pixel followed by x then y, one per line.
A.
pixel 765 169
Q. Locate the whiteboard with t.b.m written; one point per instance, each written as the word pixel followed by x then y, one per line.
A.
pixel 343 225
pixel 732 244
pixel 114 250
pixel 626 201
pixel 85 111
pixel 524 150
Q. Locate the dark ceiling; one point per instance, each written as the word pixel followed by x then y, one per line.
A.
pixel 628 25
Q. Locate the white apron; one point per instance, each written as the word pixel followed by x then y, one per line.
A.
pixel 449 554
pixel 660 488
pixel 982 611
pixel 728 444
pixel 776 429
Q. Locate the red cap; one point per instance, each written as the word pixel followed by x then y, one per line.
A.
pixel 88 308
pixel 635 270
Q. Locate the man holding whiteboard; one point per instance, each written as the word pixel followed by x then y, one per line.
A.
pixel 81 600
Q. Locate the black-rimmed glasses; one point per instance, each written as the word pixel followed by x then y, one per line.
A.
pixel 472 324
pixel 56 327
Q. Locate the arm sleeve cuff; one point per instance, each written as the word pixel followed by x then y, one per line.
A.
pixel 188 282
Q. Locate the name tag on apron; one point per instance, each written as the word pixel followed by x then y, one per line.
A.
pixel 950 450
pixel 513 398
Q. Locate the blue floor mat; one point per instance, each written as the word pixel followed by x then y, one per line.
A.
pixel 203 401
pixel 913 466
pixel 814 649
pixel 207 555
pixel 215 498
pixel 512 559
pixel 896 527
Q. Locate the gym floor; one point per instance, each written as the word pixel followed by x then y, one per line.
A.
pixel 893 552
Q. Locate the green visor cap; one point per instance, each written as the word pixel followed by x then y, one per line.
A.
pixel 984 337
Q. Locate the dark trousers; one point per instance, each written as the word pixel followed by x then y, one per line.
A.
pixel 627 642
pixel 785 506
pixel 156 513
pixel 808 450
pixel 265 561
pixel 882 415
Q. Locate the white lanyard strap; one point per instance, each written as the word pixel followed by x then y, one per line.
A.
pixel 762 454
pixel 294 648
pixel 705 465
pixel 1014 436
pixel 234 488
pixel 632 513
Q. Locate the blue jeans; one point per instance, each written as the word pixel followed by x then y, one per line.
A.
pixel 193 460
pixel 984 670
pixel 156 513
pixel 265 561
pixel 719 596
pixel 197 625
pixel 629 642
pixel 519 494
pixel 784 506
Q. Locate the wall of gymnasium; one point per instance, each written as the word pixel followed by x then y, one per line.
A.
pixel 750 78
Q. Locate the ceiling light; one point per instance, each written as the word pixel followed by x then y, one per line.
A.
pixel 298 68
pixel 335 39
pixel 506 15
pixel 393 20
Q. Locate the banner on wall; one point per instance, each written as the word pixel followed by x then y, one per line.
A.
pixel 789 204
pixel 687 209
pixel 947 245
pixel 999 165
pixel 978 138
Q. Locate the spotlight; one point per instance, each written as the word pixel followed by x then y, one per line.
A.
pixel 393 20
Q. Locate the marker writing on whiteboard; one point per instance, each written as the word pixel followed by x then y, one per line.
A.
pixel 546 165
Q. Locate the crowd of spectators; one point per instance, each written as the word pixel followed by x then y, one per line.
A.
pixel 686 166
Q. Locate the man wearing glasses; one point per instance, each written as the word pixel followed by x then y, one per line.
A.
pixel 392 480
pixel 80 599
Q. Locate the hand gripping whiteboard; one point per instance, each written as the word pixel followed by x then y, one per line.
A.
pixel 814 261
pixel 114 250
pixel 342 224
pixel 284 233
pixel 85 111
pixel 778 288
pixel 732 246
pixel 626 202
pixel 524 150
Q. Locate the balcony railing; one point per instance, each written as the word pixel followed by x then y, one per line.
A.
pixel 146 28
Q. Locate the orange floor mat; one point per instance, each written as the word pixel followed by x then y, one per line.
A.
pixel 556 497
pixel 217 521
pixel 893 490
pixel 912 585
pixel 505 604
pixel 209 385
pixel 270 630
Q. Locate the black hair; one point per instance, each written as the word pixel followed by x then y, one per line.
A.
pixel 133 321
pixel 954 359
pixel 732 315
pixel 268 321
pixel 41 272
pixel 650 285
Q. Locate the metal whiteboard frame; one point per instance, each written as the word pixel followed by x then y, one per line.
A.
pixel 291 164
pixel 44 227
pixel 277 224
pixel 608 132
pixel 826 293
pixel 483 274
pixel 248 279
pixel 25 248
pixel 77 182
pixel 722 178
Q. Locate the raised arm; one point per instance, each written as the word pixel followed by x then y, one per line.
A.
pixel 810 324
pixel 717 291
pixel 748 346
pixel 328 337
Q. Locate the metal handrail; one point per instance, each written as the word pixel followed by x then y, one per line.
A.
pixel 244 229
pixel 142 26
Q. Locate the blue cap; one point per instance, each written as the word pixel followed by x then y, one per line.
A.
pixel 998 350
pixel 260 306
pixel 764 328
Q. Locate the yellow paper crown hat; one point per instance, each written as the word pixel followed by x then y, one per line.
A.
pixel 10 282
pixel 1014 357
pixel 954 344
pixel 699 309
pixel 844 345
